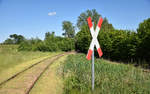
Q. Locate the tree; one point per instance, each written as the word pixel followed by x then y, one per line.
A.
pixel 49 35
pixel 83 37
pixel 8 41
pixel 50 42
pixel 82 19
pixel 69 29
pixel 14 39
pixel 143 31
pixel 106 26
pixel 30 44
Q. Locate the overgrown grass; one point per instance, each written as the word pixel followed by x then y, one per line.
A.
pixel 12 61
pixel 51 81
pixel 110 78
pixel 10 56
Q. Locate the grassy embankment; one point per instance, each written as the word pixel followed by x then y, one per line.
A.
pixel 12 61
pixel 110 78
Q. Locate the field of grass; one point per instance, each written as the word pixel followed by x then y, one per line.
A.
pixel 51 82
pixel 110 78
pixel 10 57
pixel 13 61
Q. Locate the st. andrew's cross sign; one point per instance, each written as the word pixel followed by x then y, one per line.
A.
pixel 94 43
pixel 94 40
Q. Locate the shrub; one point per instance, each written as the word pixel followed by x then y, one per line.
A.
pixel 50 43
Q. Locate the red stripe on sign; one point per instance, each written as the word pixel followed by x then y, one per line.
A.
pixel 89 20
pixel 99 52
pixel 100 22
pixel 89 54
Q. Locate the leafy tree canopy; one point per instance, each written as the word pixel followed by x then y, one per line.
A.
pixel 69 29
pixel 14 39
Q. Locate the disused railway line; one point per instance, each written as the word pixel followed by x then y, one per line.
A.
pixel 58 56
pixel 24 70
pixel 53 58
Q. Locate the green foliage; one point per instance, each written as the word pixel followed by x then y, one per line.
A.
pixel 51 43
pixel 143 32
pixel 118 45
pixel 82 19
pixel 8 41
pixel 83 37
pixel 30 45
pixel 82 40
pixel 66 44
pixel 14 39
pixel 110 77
pixel 69 29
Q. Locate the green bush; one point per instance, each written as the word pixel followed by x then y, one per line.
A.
pixel 119 45
pixel 50 43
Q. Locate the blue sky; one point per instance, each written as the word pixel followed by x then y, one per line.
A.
pixel 30 17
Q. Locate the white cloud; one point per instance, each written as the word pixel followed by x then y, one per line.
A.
pixel 51 13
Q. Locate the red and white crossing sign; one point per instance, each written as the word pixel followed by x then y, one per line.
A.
pixel 94 36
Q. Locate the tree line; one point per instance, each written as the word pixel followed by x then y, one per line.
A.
pixel 119 45
pixel 50 43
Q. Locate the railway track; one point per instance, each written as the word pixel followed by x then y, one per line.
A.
pixel 23 82
pixel 24 70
